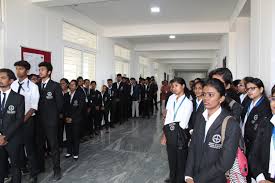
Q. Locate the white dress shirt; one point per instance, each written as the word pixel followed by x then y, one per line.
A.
pixel 210 120
pixel 271 169
pixel 45 82
pixel 184 111
pixel 30 92
pixel 7 96
pixel 198 103
pixel 242 97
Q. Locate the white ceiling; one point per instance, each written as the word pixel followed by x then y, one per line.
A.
pixel 179 38
pixel 129 12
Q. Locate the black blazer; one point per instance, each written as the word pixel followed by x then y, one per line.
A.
pixel 195 113
pixel 208 161
pixel 51 102
pixel 256 117
pixel 246 102
pixel 260 154
pixel 233 107
pixel 233 94
pixel 94 99
pixel 145 91
pixel 119 92
pixel 74 109
pixel 13 118
pixel 106 99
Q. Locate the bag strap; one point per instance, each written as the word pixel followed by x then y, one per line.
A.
pixel 232 103
pixel 224 125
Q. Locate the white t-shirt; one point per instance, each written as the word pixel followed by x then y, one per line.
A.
pixel 178 110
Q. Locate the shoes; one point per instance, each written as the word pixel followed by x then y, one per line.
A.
pixel 56 176
pixel 68 155
pixel 75 158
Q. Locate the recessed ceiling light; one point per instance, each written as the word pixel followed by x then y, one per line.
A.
pixel 172 36
pixel 155 9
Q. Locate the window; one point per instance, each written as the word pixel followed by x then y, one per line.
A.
pixel 77 63
pixel 78 36
pixel 144 67
pixel 122 68
pixel 79 52
pixel 122 52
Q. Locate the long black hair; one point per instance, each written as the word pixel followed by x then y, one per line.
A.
pixel 217 84
pixel 258 82
pixel 182 82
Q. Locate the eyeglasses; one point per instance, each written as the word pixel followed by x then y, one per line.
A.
pixel 272 98
pixel 251 89
pixel 209 94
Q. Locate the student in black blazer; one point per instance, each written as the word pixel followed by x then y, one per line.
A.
pixel 198 105
pixel 49 107
pixel 12 111
pixel 244 98
pixel 146 99
pixel 74 103
pixel 105 107
pixel 253 115
pixel 94 109
pixel 209 159
pixel 232 100
pixel 118 90
pixel 262 157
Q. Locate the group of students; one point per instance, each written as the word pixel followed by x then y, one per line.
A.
pixel 35 112
pixel 206 126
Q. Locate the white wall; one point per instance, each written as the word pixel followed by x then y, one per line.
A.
pixel 41 28
pixel 188 76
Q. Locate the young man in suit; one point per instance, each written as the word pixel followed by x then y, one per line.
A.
pixel 12 110
pixel 117 101
pixel 30 92
pixel 94 109
pixel 49 108
pixel 105 107
pixel 110 92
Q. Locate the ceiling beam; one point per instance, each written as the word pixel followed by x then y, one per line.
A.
pixel 178 54
pixel 167 29
pixel 178 46
pixel 53 3
pixel 185 61
pixel 236 13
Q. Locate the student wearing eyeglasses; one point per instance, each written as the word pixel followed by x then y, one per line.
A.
pixel 262 159
pixel 244 99
pixel 254 114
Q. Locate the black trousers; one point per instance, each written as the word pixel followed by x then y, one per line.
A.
pixel 61 125
pixel 155 99
pixel 177 159
pixel 116 110
pixel 48 133
pixel 105 115
pixel 85 123
pixel 146 108
pixel 29 144
pixel 12 151
pixel 95 121
pixel 73 136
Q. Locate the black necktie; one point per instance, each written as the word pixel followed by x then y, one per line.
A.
pixel 3 102
pixel 20 87
pixel 43 85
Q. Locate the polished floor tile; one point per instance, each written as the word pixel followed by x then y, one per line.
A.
pixel 131 153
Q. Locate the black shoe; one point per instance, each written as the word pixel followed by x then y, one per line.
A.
pixel 33 179
pixel 167 180
pixel 56 177
pixel 25 171
pixel 75 158
pixel 68 155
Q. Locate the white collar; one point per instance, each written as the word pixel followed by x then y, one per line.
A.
pixel 198 101
pixel 273 120
pixel 23 82
pixel 46 82
pixel 213 116
pixel 6 92
pixel 254 103
pixel 179 99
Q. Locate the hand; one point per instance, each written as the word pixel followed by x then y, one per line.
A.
pixel 68 120
pixel 3 140
pixel 163 140
pixel 189 181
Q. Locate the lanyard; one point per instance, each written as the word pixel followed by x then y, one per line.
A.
pixel 273 137
pixel 176 111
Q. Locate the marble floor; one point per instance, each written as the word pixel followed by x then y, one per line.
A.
pixel 131 153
